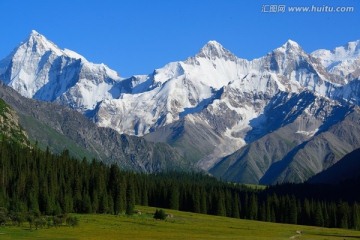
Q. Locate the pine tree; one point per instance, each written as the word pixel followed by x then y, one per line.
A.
pixel 144 196
pixel 3 198
pixel 220 203
pixel 268 211
pixel 130 199
pixel 262 212
pixel 203 201
pixel 332 215
pixel 326 216
pixel 343 215
pixel 174 197
pixel 293 211
pixel 196 200
pixel 356 217
pixel 319 218
pixel 253 207
pixel 235 213
pixel 114 186
pixel 86 204
pixel 306 216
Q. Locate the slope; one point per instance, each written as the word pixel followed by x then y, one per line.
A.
pixel 212 104
pixel 57 127
pixel 300 141
pixel 347 168
pixel 10 129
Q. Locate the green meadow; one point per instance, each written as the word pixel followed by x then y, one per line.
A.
pixel 182 225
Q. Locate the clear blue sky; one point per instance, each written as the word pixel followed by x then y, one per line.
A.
pixel 138 36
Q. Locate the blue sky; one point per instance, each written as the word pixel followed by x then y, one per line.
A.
pixel 138 36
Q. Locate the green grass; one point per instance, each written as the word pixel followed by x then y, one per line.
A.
pixel 182 226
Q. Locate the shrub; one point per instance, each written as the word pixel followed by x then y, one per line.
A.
pixel 57 221
pixel 39 222
pixel 160 214
pixel 3 218
pixel 72 221
pixel 18 218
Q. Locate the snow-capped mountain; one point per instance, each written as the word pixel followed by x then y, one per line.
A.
pixel 39 69
pixel 172 92
pixel 186 87
pixel 208 106
pixel 343 61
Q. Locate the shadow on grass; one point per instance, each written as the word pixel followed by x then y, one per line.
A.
pixel 337 235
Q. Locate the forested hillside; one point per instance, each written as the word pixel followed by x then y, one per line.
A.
pixel 32 180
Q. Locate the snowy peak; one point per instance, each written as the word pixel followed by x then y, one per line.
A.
pixel 287 58
pixel 39 69
pixel 349 51
pixel 38 43
pixel 292 44
pixel 289 46
pixel 213 50
pixel 343 60
pixel 353 47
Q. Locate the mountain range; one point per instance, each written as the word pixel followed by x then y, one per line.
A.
pixel 57 128
pixel 283 117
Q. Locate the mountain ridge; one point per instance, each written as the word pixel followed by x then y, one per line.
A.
pixel 57 127
pixel 220 97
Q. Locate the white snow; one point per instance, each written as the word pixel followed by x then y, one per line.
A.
pixel 213 79
pixel 342 60
pixel 73 54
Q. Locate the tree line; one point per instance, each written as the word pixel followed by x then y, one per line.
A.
pixel 32 180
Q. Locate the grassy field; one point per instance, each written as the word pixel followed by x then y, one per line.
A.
pixel 182 226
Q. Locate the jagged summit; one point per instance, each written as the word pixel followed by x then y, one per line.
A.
pixel 343 60
pixel 351 48
pixel 214 102
pixel 213 50
pixel 35 33
pixel 39 69
pixel 290 45
pixel 38 42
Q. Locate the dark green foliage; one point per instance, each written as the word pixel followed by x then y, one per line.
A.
pixel 174 197
pixel 39 222
pixel 17 218
pixel 130 199
pixel 356 217
pixel 40 183
pixel 57 221
pixel 72 221
pixel 35 220
pixel 160 214
pixel 10 130
pixel 3 216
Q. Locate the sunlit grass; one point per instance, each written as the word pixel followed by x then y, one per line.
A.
pixel 182 226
